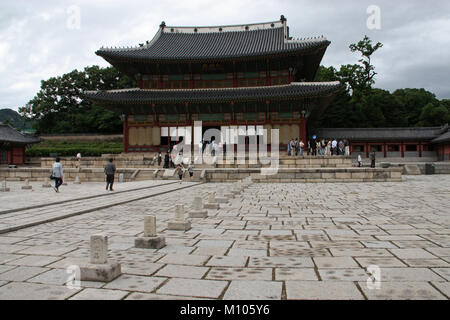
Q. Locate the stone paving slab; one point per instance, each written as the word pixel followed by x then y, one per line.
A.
pixel 179 271
pixel 135 283
pixel 99 294
pixel 34 291
pixel 295 274
pixel 318 290
pixel 253 290
pixel 224 273
pixel 22 273
pixel 193 287
pixel 413 290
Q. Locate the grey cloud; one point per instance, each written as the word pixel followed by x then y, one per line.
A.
pixel 37 43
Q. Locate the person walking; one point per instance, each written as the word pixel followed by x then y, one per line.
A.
pixel 296 146
pixel 359 160
pixel 166 160
pixel 191 170
pixel 372 160
pixel 179 171
pixel 110 170
pixel 159 159
pixel 57 174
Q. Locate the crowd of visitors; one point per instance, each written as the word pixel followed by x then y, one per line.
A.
pixel 318 147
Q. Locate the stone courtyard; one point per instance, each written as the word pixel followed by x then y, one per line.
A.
pixel 272 241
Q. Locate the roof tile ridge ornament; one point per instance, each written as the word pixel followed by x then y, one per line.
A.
pixel 225 28
pixel 308 83
pixel 140 46
pixel 306 39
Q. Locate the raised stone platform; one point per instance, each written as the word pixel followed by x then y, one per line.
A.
pixel 308 175
pixel 350 174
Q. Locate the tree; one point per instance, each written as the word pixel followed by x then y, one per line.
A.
pixel 435 114
pixel 413 101
pixel 59 108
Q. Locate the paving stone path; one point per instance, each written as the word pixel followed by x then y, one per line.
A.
pixel 20 218
pixel 275 241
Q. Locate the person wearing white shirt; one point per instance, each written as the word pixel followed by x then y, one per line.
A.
pixel 333 147
pixel 57 174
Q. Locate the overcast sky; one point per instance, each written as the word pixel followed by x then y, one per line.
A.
pixel 41 39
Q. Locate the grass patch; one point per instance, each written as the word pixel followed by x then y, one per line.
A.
pixel 71 148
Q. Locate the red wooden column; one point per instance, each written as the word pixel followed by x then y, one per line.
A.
pixel 385 149
pixel 420 146
pixel 125 134
pixel 366 146
pixel 303 130
pixel 402 149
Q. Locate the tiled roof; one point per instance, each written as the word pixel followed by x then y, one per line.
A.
pixel 136 95
pixel 442 138
pixel 381 134
pixel 188 43
pixel 9 134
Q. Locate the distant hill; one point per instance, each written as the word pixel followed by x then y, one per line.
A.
pixel 14 119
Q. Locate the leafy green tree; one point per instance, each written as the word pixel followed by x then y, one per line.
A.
pixel 360 76
pixel 414 100
pixel 434 114
pixel 59 107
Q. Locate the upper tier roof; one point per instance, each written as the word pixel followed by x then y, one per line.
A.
pixel 292 90
pixel 218 42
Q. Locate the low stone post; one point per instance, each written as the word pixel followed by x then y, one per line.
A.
pixel 196 211
pixel 46 183
pixel 179 223
pixel 150 240
pixel 27 186
pixel 211 204
pixel 4 188
pixel 77 180
pixel 98 268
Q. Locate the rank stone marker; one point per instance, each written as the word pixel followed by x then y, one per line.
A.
pixel 46 183
pixel 150 240
pixel 27 186
pixel 179 223
pixel 99 269
pixel 211 204
pixel 197 207
pixel 77 180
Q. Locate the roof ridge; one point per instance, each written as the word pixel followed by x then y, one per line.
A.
pixel 243 25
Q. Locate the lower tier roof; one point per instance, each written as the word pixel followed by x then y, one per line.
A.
pixel 384 134
pixel 293 90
